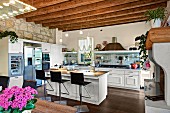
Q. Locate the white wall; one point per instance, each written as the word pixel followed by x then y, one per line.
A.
pixel 125 34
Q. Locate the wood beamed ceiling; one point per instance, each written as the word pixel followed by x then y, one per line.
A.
pixel 70 15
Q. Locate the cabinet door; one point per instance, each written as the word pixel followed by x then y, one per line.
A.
pixel 56 55
pixel 46 47
pixel 132 81
pixel 116 80
pixel 16 47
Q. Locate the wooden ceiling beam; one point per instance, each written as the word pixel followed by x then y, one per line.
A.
pixel 103 11
pixel 117 18
pixel 42 3
pixel 103 24
pixel 80 9
pixel 113 16
pixel 58 7
pixel 109 20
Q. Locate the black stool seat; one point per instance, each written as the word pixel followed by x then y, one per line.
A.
pixel 78 79
pixel 57 77
pixel 63 80
pixel 31 83
pixel 4 81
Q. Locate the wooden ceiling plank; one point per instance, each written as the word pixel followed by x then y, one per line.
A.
pixel 103 24
pixel 117 18
pixel 103 11
pixel 99 22
pixel 58 7
pixel 80 9
pixel 42 3
pixel 114 15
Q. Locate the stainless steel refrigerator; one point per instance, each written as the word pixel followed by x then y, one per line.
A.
pixel 32 62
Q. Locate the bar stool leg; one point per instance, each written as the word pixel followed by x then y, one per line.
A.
pixel 81 107
pixel 63 102
pixel 45 94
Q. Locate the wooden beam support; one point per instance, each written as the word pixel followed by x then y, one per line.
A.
pixel 103 11
pixel 102 24
pixel 80 9
pixel 112 16
pixel 58 7
pixel 109 20
pixel 42 3
pixel 157 35
pixel 97 20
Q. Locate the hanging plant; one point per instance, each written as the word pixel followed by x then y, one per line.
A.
pixel 13 36
pixel 143 53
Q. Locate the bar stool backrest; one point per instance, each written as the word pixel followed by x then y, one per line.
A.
pixel 56 76
pixel 40 74
pixel 4 81
pixel 77 78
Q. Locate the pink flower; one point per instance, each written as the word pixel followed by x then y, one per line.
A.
pixel 16 97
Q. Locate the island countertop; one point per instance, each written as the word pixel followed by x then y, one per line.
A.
pixel 86 73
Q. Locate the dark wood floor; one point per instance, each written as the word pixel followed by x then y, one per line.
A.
pixel 117 101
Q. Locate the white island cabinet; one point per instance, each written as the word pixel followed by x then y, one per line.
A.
pixel 123 78
pixel 97 89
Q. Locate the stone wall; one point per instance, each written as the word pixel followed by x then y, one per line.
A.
pixel 28 30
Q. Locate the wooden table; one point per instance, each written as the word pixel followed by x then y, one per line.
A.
pixel 43 106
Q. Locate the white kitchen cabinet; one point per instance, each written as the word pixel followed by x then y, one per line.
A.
pixel 46 47
pixel 16 81
pixel 132 81
pixel 116 80
pixel 16 47
pixel 56 56
pixel 145 74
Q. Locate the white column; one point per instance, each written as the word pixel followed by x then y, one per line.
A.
pixel 161 54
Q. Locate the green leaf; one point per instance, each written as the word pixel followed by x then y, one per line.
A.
pixel 33 101
pixel 29 106
pixel 16 111
pixel 1 108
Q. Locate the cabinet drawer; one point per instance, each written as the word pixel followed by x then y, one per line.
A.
pixel 132 81
pixel 116 80
pixel 117 72
pixel 131 72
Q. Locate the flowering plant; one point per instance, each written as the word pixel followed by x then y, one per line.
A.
pixel 16 100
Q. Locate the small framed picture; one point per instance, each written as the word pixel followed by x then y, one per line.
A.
pixel 64 49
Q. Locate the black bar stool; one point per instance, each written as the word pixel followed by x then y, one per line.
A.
pixel 31 83
pixel 78 79
pixel 4 82
pixel 40 74
pixel 57 77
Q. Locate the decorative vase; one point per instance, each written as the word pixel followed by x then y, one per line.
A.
pixel 155 23
pixel 27 111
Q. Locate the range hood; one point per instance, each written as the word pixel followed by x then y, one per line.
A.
pixel 113 46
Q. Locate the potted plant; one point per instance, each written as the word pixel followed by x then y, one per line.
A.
pixel 155 16
pixel 143 52
pixel 18 100
pixel 12 34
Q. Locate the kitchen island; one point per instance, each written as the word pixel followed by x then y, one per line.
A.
pixel 97 89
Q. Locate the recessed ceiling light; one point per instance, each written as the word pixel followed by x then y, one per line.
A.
pixel 61 40
pixel 4 15
pixel 12 1
pixel 1 7
pixel 15 12
pixel 6 4
pixel 28 8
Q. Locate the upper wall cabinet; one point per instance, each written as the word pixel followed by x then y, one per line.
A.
pixel 16 47
pixel 46 47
